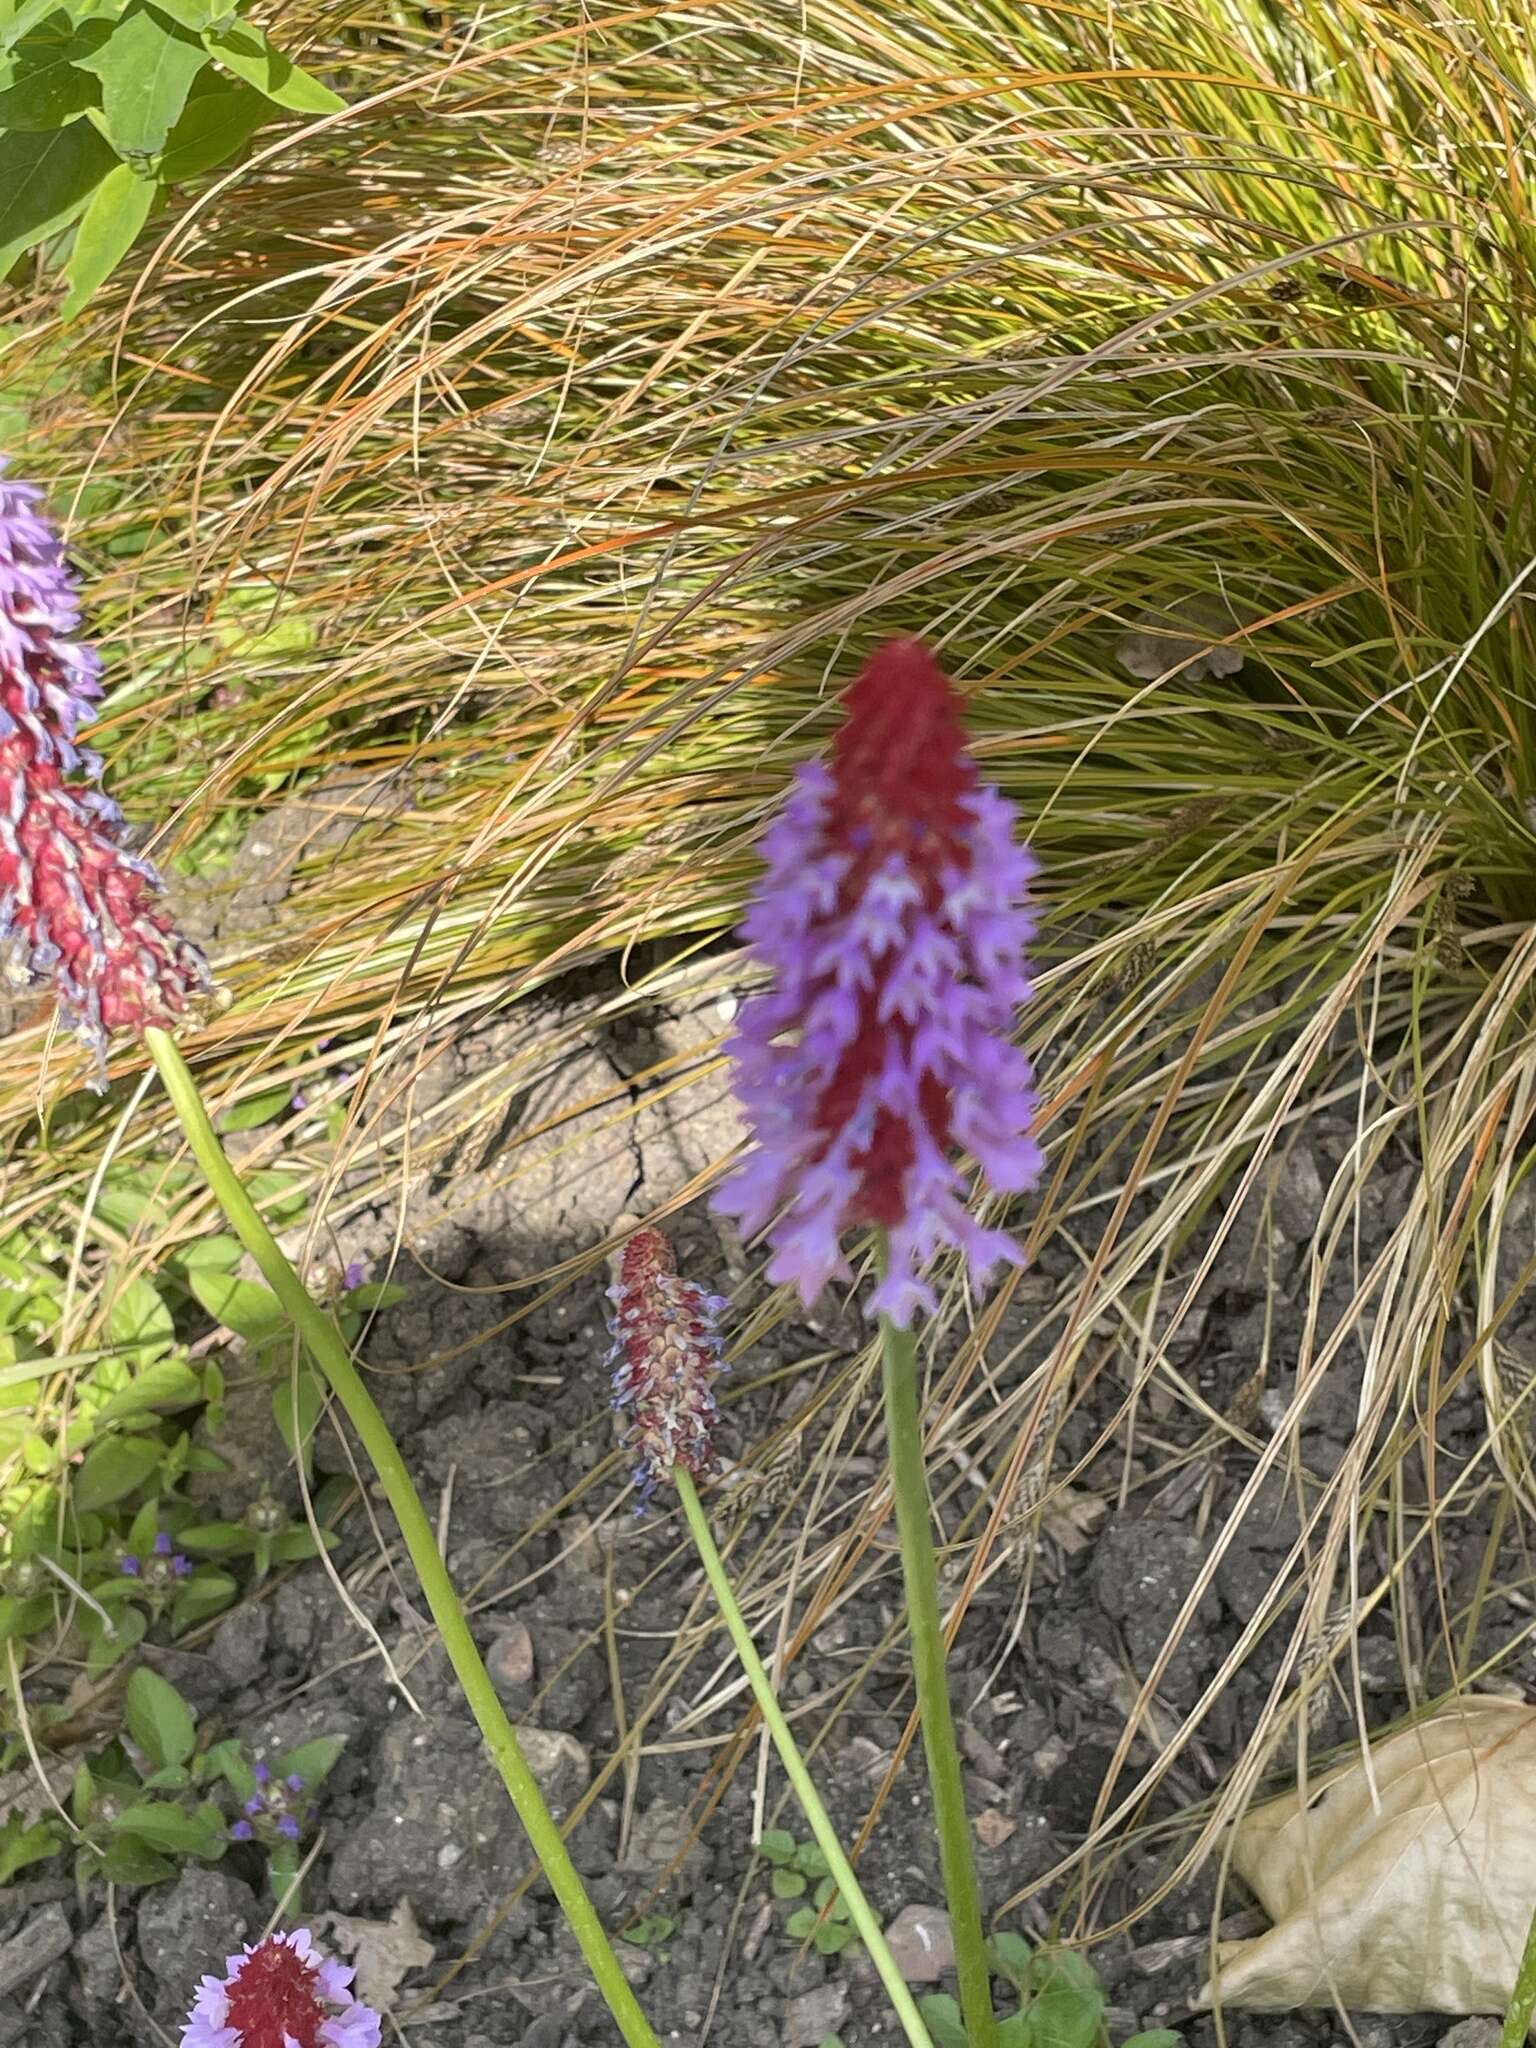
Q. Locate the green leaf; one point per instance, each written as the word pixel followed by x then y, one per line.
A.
pixel 1014 2032
pixel 243 49
pixel 159 1719
pixel 24 20
pixel 229 1760
pixel 214 1539
pixel 207 1593
pixel 127 1861
pixel 802 1925
pixel 788 1884
pixel 251 1311
pixel 119 207
pixel 832 1937
pixel 824 1894
pixel 1012 1957
pixel 311 1761
pixel 168 1384
pixel 146 67
pixel 942 2018
pixel 377 1294
pixel 21 1844
pixel 276 1196
pixel 292 1546
pixel 296 1405
pixel 164 1826
pixel 810 1859
pixel 1155 2037
pixel 174 1778
pixel 106 1650
pixel 43 88
pixel 196 14
pixel 778 1845
pixel 45 180
pixel 259 1109
pixel 217 1253
pixel 1069 2012
pixel 117 1466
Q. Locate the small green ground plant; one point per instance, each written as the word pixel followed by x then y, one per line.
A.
pixel 800 1871
pixel 1059 1997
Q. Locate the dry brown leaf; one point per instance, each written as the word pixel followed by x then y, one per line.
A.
pixel 382 1951
pixel 1416 1899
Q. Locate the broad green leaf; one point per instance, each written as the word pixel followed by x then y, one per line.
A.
pixel 788 1884
pixel 167 1384
pixel 260 1109
pixel 810 1859
pixel 82 1795
pixel 128 1627
pixel 777 1844
pixel 146 67
pixel 250 1310
pixel 118 1465
pixel 159 1719
pixel 276 1197
pixel 127 1861
pixel 42 86
pixel 174 1778
pixel 1067 2015
pixel 942 2017
pixel 311 1761
pixel 164 1826
pixel 229 1760
pixel 21 1844
pixel 45 180
pixel 209 1254
pixel 1154 2037
pixel 196 14
pixel 144 1528
pixel 376 1294
pixel 108 228
pixel 214 1539
pixel 19 1617
pixel 801 1925
pixel 832 1937
pixel 243 49
pixel 137 1316
pixel 15 22
pixel 1011 1956
pixel 1014 2031
pixel 208 1593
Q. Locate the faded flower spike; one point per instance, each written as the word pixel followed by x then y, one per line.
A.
pixel 77 909
pixel 666 1350
pixel 280 1994
pixel 893 918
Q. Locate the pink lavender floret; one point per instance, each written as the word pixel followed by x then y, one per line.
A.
pixel 77 908
pixel 281 1993
pixel 893 919
pixel 667 1354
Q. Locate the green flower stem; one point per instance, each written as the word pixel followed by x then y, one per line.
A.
pixel 1522 2000
pixel 860 1912
pixel 914 1522
pixel 325 1346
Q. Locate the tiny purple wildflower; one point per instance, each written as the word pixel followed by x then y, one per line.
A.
pixel 893 916
pixel 354 1276
pixel 667 1351
pixel 288 1827
pixel 262 1773
pixel 129 1565
pixel 294 1782
pixel 162 1544
pixel 255 1806
pixel 241 1831
pixel 280 1994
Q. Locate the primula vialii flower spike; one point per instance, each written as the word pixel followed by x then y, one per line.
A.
pixel 666 1354
pixel 893 919
pixel 78 911
pixel 280 1994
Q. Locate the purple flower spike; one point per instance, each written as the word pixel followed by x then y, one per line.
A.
pixel 130 1566
pixel 162 1545
pixel 288 1827
pixel 893 917
pixel 294 1782
pixel 667 1351
pixel 255 1806
pixel 354 1276
pixel 241 1831
pixel 280 1994
pixel 77 909
pixel 181 1566
pixel 262 1773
